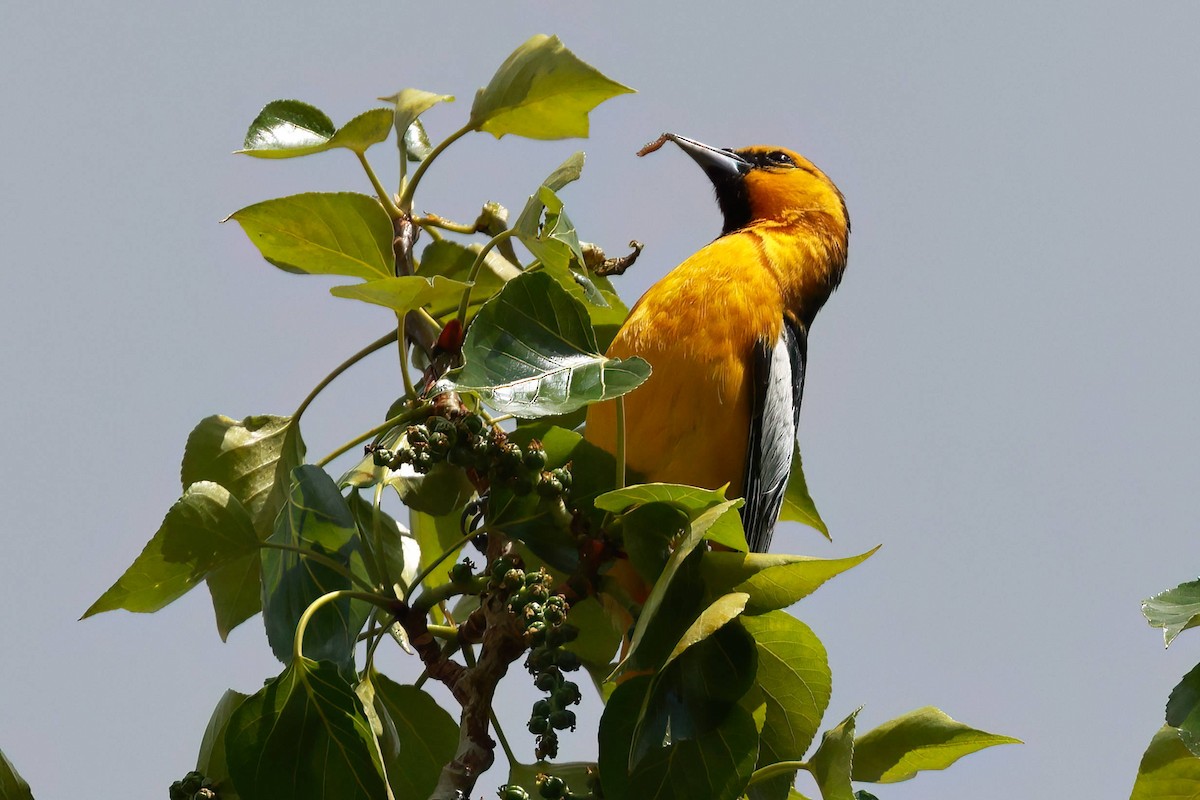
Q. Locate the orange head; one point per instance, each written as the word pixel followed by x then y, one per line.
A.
pixel 764 183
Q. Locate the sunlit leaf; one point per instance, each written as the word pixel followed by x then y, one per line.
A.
pixel 321 233
pixel 830 764
pixel 207 528
pixel 253 459
pixel 212 761
pixel 452 260
pixel 794 676
pixel 403 293
pixel 925 739
pixel 773 580
pixel 1168 769
pixel 1183 709
pixel 1174 610
pixel 547 232
pixel 435 536
pixel 304 732
pixel 409 104
pixel 290 128
pixel 531 351
pixel 798 505
pixel 315 518
pixel 711 619
pixel 419 738
pixel 12 785
pixel 542 91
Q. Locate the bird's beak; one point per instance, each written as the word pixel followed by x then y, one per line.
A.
pixel 718 165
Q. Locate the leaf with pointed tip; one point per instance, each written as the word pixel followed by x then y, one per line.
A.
pixel 12 785
pixel 247 457
pixel 316 518
pixel 1174 610
pixel 794 676
pixel 322 233
pixel 1183 709
pixel 206 529
pixel 394 547
pixel 531 351
pixel 773 580
pixel 409 105
pixel 716 616
pixel 925 739
pixel 547 232
pixel 212 761
pixel 290 128
pixel 542 91
pixel 830 764
pixel 798 505
pixel 1168 769
pixel 403 293
pixel 419 738
pixel 302 733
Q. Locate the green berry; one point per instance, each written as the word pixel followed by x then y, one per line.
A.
pixel 513 579
pixel 549 486
pixel 422 462
pixel 473 424
pixel 548 680
pixel 563 476
pixel 552 787
pixel 539 725
pixel 567 661
pixel 567 695
pixel 535 459
pixel 461 572
pixel 554 615
pixel 417 434
pixel 540 659
pixel 513 792
pixel 562 719
pixel 382 456
pixel 542 708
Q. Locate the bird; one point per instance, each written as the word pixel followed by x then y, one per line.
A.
pixel 726 334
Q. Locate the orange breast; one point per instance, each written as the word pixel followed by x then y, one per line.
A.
pixel 697 327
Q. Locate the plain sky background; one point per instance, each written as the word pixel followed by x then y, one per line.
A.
pixel 1003 392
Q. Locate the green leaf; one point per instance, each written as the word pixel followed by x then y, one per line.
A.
pixel 924 739
pixel 1174 610
pixel 304 732
pixel 711 619
pixel 419 738
pixel 1168 769
pixel 773 581
pixel 676 599
pixel 566 172
pixel 531 351
pixel 453 260
pixel 417 146
pixel 12 785
pixel 692 501
pixel 598 637
pixel 696 694
pixel 830 764
pixel 793 674
pixel 321 233
pixel 542 91
pixel 290 128
pixel 1183 709
pixel 553 240
pixel 395 549
pixel 316 518
pixel 205 529
pixel 408 105
pixel 436 535
pixel 798 505
pixel 212 761
pixel 405 293
pixel 368 128
pixel 716 765
pixel 253 459
pixel 442 490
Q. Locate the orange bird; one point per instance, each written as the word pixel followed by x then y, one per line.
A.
pixel 726 333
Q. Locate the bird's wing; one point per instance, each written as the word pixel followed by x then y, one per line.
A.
pixel 778 385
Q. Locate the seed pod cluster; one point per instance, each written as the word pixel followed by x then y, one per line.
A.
pixel 194 786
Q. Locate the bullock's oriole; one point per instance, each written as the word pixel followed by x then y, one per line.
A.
pixel 726 333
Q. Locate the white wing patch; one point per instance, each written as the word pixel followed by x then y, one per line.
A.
pixel 778 387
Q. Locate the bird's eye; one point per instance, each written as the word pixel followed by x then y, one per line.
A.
pixel 780 158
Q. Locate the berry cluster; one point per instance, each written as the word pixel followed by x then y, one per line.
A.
pixel 553 787
pixel 470 443
pixel 194 786
pixel 546 631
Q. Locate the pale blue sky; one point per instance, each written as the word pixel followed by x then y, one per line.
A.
pixel 1003 391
